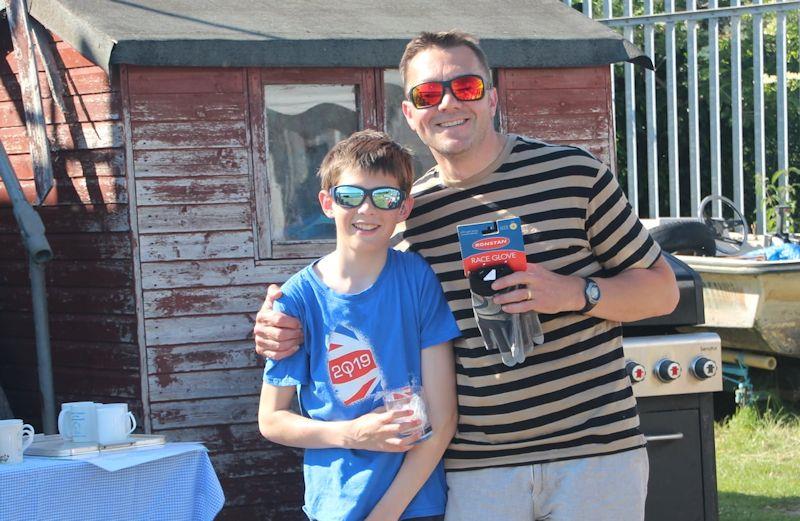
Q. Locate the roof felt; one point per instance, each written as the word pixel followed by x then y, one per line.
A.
pixel 314 33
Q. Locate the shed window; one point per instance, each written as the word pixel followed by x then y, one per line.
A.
pixel 303 123
pixel 300 115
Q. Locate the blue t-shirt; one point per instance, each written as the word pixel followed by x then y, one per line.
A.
pixel 355 347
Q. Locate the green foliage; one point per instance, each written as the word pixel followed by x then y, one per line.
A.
pixel 780 191
pixel 758 466
pixel 725 96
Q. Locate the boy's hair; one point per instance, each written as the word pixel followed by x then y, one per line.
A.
pixel 444 40
pixel 371 152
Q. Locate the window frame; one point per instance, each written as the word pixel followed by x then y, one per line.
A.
pixel 369 104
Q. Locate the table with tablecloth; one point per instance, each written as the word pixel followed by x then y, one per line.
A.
pixel 172 482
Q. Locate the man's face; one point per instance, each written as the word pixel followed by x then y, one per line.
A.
pixel 453 128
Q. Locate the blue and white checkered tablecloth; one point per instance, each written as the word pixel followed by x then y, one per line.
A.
pixel 178 487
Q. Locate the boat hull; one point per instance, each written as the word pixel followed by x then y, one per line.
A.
pixel 752 305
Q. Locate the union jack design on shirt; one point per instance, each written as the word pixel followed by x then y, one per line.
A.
pixel 352 369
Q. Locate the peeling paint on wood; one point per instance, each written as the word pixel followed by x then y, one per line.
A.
pixel 194 190
pixel 79 246
pixel 83 81
pixel 567 78
pixel 524 103
pixel 76 163
pixel 183 330
pixel 76 354
pixel 180 107
pixel 101 328
pixel 197 413
pixel 184 80
pixel 223 438
pixel 205 384
pixel 66 56
pixel 204 301
pixel 117 301
pixel 89 218
pixel 196 246
pixel 164 275
pixel 203 357
pixel 571 127
pixel 197 162
pixel 95 107
pixel 74 191
pixel 81 136
pixel 195 134
pixel 67 273
pixel 188 218
pixel 270 462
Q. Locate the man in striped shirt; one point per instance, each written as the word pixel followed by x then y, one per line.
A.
pixel 557 436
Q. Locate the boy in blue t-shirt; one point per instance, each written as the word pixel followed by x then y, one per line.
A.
pixel 373 319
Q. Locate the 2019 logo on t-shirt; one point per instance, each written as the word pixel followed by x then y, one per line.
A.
pixel 352 368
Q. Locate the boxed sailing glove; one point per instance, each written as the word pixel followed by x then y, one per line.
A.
pixel 489 251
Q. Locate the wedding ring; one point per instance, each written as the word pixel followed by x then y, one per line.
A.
pixel 530 294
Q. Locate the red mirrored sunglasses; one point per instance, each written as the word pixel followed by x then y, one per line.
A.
pixel 469 87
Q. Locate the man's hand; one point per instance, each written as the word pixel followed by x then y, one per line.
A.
pixel 542 291
pixel 381 430
pixel 277 335
pixel 634 294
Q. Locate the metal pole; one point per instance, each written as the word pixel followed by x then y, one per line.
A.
pixel 694 111
pixel 44 362
pixel 39 252
pixel 759 144
pixel 650 98
pixel 714 110
pixel 736 110
pixel 672 116
pixel 630 120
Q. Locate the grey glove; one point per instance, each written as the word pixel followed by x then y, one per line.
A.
pixel 513 334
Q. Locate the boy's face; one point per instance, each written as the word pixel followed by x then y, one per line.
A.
pixel 364 228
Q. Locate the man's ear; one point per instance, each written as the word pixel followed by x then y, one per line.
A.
pixel 406 207
pixel 408 112
pixel 326 202
pixel 493 100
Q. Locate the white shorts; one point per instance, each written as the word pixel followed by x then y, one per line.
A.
pixel 599 488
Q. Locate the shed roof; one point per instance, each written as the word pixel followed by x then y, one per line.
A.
pixel 314 33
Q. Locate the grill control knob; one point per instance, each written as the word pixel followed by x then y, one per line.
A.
pixel 667 370
pixel 636 371
pixel 702 368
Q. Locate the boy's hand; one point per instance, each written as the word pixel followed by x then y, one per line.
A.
pixel 277 335
pixel 381 430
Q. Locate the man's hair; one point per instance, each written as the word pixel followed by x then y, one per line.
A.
pixel 444 40
pixel 371 152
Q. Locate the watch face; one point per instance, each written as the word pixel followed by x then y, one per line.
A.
pixel 592 292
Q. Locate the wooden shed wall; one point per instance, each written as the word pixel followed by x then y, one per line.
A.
pixel 191 160
pixel 90 281
pixel 565 106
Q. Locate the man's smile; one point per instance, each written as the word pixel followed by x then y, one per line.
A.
pixel 452 123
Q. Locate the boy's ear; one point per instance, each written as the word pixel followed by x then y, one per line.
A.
pixel 326 202
pixel 406 207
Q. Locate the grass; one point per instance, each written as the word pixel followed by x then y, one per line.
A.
pixel 758 466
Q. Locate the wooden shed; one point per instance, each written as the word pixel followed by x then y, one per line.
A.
pixel 184 165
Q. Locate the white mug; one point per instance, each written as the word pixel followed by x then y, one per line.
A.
pixel 77 421
pixel 15 437
pixel 114 423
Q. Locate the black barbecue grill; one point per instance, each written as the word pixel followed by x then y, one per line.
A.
pixel 673 378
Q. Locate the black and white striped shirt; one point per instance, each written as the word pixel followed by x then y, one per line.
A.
pixel 571 398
